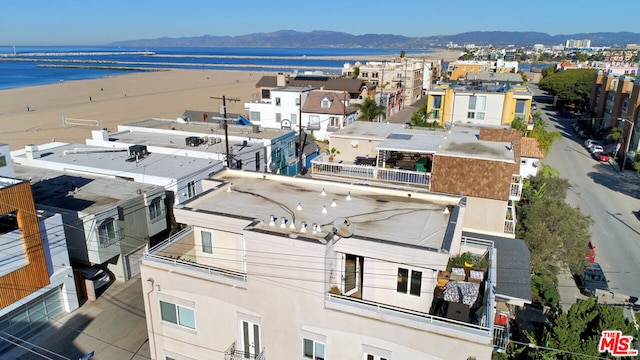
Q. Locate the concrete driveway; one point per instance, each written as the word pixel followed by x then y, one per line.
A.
pixel 113 326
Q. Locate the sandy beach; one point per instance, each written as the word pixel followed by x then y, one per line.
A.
pixel 121 99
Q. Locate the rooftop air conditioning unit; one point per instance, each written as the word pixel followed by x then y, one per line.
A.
pixel 138 150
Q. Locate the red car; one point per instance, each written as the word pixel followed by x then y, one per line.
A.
pixel 601 156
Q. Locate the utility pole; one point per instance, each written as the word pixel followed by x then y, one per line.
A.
pixel 226 126
pixel 300 145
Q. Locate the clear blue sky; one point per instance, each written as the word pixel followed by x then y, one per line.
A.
pixel 86 22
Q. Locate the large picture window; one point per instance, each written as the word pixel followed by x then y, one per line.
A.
pixel 108 232
pixel 156 208
pixel 177 314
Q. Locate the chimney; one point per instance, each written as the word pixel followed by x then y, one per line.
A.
pixel 29 152
pixel 280 81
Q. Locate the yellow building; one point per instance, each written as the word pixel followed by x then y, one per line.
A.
pixel 483 105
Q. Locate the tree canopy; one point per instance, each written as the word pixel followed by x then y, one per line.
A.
pixel 370 110
pixel 573 87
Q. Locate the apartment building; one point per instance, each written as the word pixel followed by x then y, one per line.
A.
pixel 615 102
pixel 293 268
pixel 180 175
pixel 35 272
pixel 107 222
pixel 479 102
pixel 250 147
pixel 404 76
pixel 483 163
pixel 320 112
pixel 463 68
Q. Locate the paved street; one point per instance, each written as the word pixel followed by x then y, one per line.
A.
pixel 608 196
pixel 113 326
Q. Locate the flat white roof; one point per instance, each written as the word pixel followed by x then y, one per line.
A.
pixel 6 182
pixel 75 192
pixel 405 217
pixel 103 161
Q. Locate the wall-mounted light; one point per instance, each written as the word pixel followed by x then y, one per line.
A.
pixel 299 207
pixel 324 209
pixel 333 203
pixel 323 193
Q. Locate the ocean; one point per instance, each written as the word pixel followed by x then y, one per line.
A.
pixel 31 66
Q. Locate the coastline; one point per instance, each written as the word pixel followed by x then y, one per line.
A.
pixel 125 98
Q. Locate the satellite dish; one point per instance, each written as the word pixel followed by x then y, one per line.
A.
pixel 273 166
pixel 343 227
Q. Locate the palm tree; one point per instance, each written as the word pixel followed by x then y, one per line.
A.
pixel 370 110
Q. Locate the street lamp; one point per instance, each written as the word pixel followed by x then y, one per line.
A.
pixel 624 155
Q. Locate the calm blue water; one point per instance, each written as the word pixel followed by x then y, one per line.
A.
pixel 30 66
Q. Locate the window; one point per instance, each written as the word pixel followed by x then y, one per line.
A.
pixel 436 102
pixel 156 208
pixel 411 283
pixel 278 117
pixel 108 232
pixel 298 101
pixel 294 119
pixel 254 116
pixel 177 314
pixel 3 161
pixel 374 357
pixel 312 349
pixel 520 106
pixel 314 121
pixel 257 160
pixel 207 244
pixel 477 106
pixel 334 122
pixel 434 114
pixel 278 101
pixel 191 189
pixel 326 103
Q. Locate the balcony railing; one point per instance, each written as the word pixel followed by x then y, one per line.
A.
pixel 388 312
pixel 515 190
pixel 174 253
pixel 500 338
pixel 510 220
pixel 322 167
pixel 234 354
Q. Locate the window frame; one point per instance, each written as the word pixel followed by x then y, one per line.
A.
pixel 176 313
pixel 314 348
pixel 409 282
pixel 278 101
pixel 156 208
pixel 207 247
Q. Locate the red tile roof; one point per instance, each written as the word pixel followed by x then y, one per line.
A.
pixel 531 148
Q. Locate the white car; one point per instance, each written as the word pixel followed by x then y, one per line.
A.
pixel 595 148
pixel 590 142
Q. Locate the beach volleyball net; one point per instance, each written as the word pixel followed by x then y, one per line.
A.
pixel 67 122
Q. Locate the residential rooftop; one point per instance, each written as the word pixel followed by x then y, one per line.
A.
pixel 75 192
pixel 210 128
pixel 6 182
pixel 460 140
pixel 408 218
pixel 108 161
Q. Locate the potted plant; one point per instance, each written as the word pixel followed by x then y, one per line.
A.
pixel 332 152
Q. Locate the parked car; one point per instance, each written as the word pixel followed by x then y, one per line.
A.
pixel 583 134
pixel 601 156
pixel 594 279
pixel 596 148
pixel 99 276
pixel 534 106
pixel 590 142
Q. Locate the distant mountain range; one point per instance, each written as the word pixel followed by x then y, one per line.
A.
pixel 322 38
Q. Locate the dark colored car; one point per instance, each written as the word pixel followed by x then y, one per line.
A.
pixel 594 279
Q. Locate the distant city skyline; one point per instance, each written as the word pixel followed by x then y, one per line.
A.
pixel 41 22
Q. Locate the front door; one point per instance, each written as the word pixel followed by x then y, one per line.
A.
pixel 250 339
